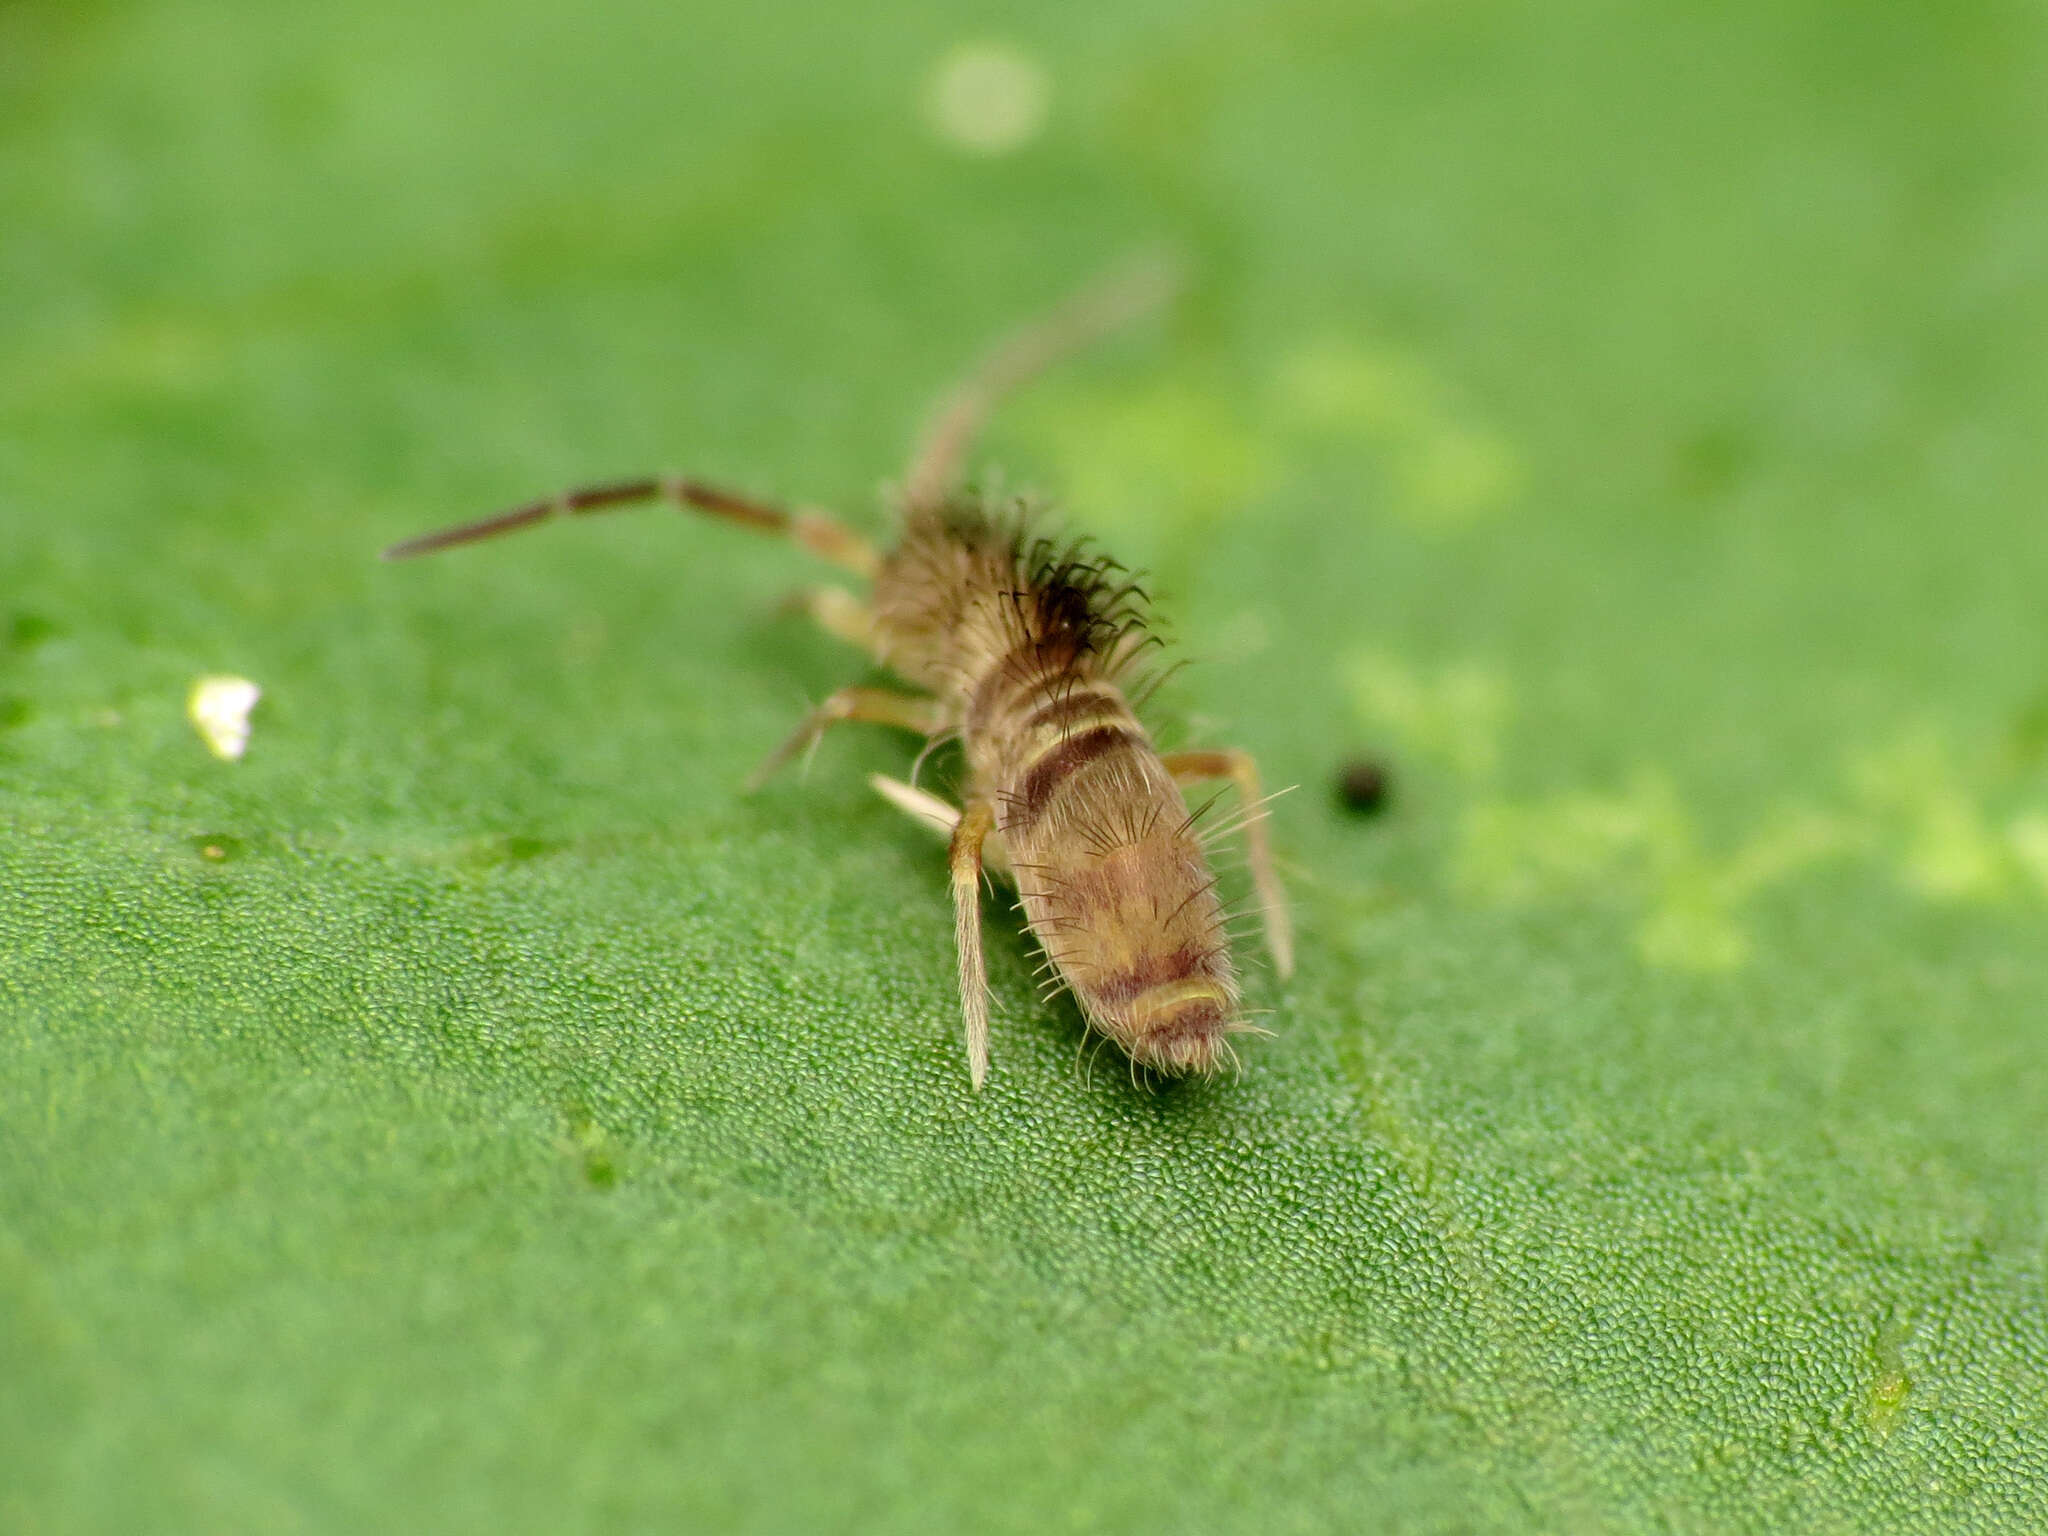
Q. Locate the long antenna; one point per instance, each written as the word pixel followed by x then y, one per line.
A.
pixel 1119 297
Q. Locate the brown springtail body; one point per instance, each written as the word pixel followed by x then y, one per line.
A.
pixel 1022 650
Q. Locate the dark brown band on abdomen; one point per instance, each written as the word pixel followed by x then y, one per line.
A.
pixel 1035 787
pixel 1181 963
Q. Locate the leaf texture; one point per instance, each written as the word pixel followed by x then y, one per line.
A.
pixel 469 1111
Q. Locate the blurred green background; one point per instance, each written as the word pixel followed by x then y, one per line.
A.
pixel 468 1111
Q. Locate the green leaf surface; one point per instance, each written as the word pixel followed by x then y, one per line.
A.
pixel 468 1111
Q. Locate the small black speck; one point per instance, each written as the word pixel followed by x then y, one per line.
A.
pixel 1363 785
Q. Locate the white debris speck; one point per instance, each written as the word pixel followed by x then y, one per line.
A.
pixel 219 709
pixel 987 98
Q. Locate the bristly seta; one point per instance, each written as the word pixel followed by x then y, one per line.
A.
pixel 1021 649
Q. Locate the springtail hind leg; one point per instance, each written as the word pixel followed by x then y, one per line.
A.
pixel 964 857
pixel 927 809
pixel 1238 767
pixel 821 534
